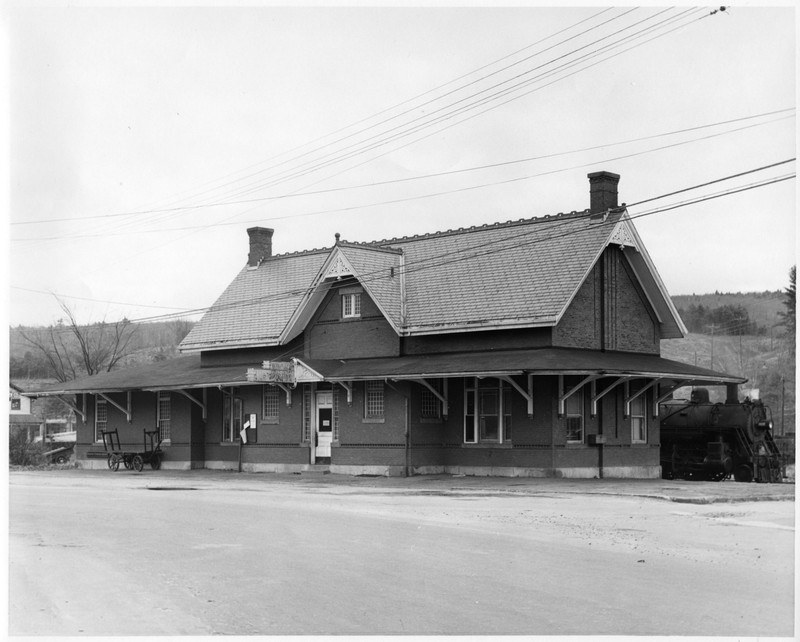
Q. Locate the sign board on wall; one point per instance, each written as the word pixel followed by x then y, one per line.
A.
pixel 272 372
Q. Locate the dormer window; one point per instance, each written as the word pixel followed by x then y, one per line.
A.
pixel 351 306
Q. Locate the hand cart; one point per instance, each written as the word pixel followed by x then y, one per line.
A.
pixel 151 454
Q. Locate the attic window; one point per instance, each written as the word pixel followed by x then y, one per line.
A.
pixel 351 306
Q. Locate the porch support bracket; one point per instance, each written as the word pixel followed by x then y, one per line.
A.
pixel 75 408
pixel 563 396
pixel 287 390
pixel 667 393
pixel 122 409
pixel 348 386
pixel 441 396
pixel 596 396
pixel 527 394
pixel 630 397
pixel 202 404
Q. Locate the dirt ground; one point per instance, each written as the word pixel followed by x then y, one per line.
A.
pixel 208 552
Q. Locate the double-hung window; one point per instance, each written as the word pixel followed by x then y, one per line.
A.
pixel 164 415
pixel 373 400
pixel 638 421
pixel 271 405
pixel 487 412
pixel 100 418
pixel 573 413
pixel 351 306
pixel 232 417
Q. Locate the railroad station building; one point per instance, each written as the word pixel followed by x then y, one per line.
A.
pixel 522 348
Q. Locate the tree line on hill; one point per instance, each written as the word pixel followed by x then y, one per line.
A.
pixel 67 349
pixel 727 319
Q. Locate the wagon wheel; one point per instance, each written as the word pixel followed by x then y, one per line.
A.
pixel 743 473
pixel 61 459
pixel 127 461
pixel 155 461
pixel 113 463
pixel 137 463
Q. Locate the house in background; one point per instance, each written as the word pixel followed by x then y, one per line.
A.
pixel 20 416
pixel 524 348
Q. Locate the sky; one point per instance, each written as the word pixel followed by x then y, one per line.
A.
pixel 144 141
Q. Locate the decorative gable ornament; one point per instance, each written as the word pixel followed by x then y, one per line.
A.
pixel 623 236
pixel 339 268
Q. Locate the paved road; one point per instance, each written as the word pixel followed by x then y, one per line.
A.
pixel 160 553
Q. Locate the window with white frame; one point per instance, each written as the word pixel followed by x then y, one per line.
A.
pixel 351 306
pixel 100 418
pixel 373 400
pixel 638 420
pixel 271 405
pixel 573 413
pixel 232 418
pixel 164 415
pixel 487 412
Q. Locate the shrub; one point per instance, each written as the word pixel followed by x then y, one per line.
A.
pixel 23 453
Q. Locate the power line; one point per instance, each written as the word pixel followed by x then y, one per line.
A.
pixel 446 173
pixel 459 255
pixel 361 151
pixel 400 104
pixel 80 298
pixel 428 122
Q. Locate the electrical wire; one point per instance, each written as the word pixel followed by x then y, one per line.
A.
pixel 462 254
pixel 442 174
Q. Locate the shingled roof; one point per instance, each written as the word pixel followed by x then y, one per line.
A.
pixel 519 273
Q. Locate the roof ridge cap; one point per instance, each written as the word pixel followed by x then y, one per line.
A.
pixel 479 228
pixel 316 250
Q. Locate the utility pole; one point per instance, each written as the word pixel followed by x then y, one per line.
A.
pixel 713 327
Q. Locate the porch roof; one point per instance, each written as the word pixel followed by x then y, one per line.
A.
pixel 172 374
pixel 186 372
pixel 537 361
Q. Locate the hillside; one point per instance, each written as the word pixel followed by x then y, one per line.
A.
pixel 765 360
pixel 768 363
pixel 151 342
pixel 763 308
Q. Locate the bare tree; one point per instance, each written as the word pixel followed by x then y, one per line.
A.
pixel 73 350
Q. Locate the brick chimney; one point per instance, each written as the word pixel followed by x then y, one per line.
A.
pixel 260 245
pixel 602 191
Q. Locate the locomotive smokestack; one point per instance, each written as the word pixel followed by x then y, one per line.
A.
pixel 732 390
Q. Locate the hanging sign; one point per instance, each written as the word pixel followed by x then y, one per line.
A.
pixel 272 372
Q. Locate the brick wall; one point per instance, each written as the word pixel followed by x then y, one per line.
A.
pixel 609 311
pixel 329 336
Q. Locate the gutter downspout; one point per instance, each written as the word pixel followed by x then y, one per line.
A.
pixel 406 430
pixel 407 467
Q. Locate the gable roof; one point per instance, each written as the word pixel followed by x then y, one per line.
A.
pixel 519 273
pixel 255 308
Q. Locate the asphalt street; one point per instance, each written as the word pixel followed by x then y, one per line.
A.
pixel 201 553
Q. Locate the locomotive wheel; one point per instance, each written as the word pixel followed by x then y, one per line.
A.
pixel 743 473
pixel 113 463
pixel 137 463
pixel 155 462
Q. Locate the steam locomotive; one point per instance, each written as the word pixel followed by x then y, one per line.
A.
pixel 703 441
